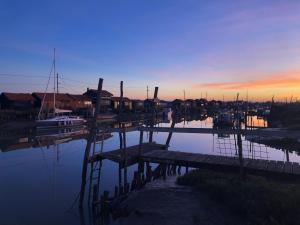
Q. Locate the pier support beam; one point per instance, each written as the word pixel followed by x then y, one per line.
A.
pixel 89 143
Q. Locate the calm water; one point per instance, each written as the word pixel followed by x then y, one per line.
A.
pixel 40 185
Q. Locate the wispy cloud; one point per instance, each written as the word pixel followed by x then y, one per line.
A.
pixel 283 80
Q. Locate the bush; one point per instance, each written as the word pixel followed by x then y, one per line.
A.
pixel 256 199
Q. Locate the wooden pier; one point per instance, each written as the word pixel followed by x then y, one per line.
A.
pixel 130 154
pixel 197 160
pixel 156 153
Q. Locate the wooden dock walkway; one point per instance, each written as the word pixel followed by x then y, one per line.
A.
pixel 131 154
pixel 197 160
pixel 156 153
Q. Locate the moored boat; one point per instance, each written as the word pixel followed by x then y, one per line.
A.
pixel 59 119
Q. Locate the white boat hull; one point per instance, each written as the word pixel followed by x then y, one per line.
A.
pixel 60 122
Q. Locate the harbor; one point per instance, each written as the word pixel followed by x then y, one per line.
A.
pixel 150 112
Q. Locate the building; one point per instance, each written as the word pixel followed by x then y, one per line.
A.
pixel 17 101
pixel 189 103
pixel 115 102
pixel 150 104
pixel 177 104
pixel 81 101
pixel 62 101
pixel 164 104
pixel 137 105
pixel 105 98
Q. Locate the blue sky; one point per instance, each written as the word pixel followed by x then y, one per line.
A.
pixel 199 46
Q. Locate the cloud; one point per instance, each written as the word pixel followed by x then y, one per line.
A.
pixel 284 80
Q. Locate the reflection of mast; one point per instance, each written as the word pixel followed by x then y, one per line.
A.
pixel 54 81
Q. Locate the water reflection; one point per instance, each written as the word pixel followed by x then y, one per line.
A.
pixel 44 168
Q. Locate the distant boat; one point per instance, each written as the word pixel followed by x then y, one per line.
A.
pixel 59 118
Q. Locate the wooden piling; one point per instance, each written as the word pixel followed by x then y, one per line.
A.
pixel 153 111
pixel 95 196
pixel 141 142
pixel 240 151
pixel 89 142
pixel 170 135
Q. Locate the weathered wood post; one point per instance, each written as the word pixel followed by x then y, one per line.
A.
pixel 121 99
pixel 141 163
pixel 170 135
pixel 120 177
pixel 153 111
pixel 141 142
pixel 95 196
pixel 89 142
pixel 239 139
pixel 120 113
pixel 125 156
pixel 240 150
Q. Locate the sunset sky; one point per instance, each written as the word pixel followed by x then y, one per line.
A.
pixel 208 47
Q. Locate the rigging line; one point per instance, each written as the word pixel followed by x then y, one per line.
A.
pixel 46 90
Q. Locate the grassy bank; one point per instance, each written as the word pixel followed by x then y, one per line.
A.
pixel 258 200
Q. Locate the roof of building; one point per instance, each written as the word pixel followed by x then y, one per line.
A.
pixel 177 100
pixel 104 93
pixel 80 97
pixel 49 96
pixel 18 96
pixel 125 99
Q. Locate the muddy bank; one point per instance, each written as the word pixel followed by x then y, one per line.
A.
pixel 164 202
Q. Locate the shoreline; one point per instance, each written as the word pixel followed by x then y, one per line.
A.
pixel 164 202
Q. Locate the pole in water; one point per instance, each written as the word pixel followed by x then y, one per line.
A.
pixel 89 143
pixel 147 92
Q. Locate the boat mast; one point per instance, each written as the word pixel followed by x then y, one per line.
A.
pixel 54 82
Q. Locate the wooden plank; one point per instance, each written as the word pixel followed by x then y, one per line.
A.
pixel 153 153
pixel 132 152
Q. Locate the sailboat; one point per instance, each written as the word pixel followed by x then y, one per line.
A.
pixel 59 118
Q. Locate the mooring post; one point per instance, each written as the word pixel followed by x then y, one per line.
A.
pixel 240 150
pixel 239 140
pixel 120 114
pixel 170 135
pixel 141 142
pixel 95 195
pixel 89 143
pixel 125 156
pixel 120 177
pixel 153 111
pixel 121 99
